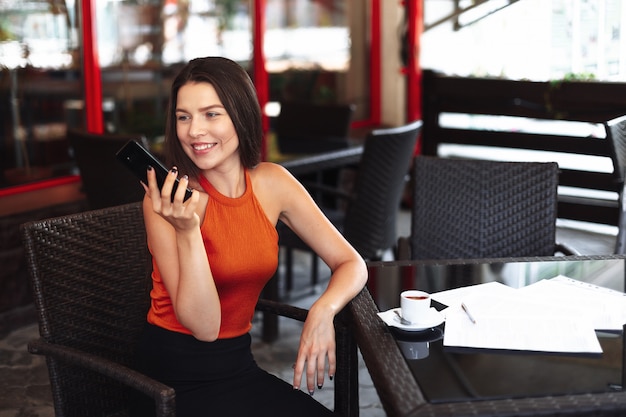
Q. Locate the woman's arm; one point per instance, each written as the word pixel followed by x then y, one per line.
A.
pixel 299 211
pixel 173 230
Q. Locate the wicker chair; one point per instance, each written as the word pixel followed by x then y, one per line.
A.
pixel 106 182
pixel 369 221
pixel 616 135
pixel 482 209
pixel 90 276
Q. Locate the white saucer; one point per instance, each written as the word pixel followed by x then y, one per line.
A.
pixel 433 319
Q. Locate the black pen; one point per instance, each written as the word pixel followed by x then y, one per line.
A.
pixel 464 307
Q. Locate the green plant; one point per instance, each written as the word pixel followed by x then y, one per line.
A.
pixel 583 76
pixel 5 34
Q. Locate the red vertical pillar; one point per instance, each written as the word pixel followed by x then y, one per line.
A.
pixel 260 73
pixel 92 81
pixel 415 17
pixel 375 62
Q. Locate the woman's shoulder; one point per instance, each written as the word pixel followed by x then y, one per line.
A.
pixel 271 176
pixel 269 171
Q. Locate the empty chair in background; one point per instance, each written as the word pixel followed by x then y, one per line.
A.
pixel 307 128
pixel 467 209
pixel 616 135
pixel 369 220
pixel 106 182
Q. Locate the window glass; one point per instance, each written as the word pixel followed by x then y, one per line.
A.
pixel 316 50
pixel 312 50
pixel 533 39
pixel 38 53
pixel 142 45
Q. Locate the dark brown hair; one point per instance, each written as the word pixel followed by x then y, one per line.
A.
pixel 238 95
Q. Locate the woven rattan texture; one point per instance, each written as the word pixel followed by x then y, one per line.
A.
pixel 482 209
pixel 396 387
pixel 90 283
pixel 90 275
pixel 401 396
pixel 616 134
pixel 370 221
pixel 588 405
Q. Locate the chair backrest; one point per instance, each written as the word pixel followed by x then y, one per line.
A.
pixel 90 276
pixel 370 224
pixel 483 209
pixel 616 135
pixel 106 182
pixel 312 128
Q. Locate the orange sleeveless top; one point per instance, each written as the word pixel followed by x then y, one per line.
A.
pixel 242 247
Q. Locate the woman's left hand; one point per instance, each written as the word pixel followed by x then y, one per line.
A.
pixel 317 345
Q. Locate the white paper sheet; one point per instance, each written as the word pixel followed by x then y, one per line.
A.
pixel 527 333
pixel 556 315
pixel 605 308
pixel 453 298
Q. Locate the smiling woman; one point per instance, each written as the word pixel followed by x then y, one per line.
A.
pixel 196 337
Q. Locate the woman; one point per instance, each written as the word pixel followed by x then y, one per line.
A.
pixel 213 254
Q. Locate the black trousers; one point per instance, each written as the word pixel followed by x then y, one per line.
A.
pixel 219 378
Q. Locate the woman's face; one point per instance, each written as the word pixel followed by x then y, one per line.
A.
pixel 203 127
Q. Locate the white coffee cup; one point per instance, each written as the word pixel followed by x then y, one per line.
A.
pixel 414 305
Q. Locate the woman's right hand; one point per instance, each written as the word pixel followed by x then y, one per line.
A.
pixel 180 214
pixel 175 241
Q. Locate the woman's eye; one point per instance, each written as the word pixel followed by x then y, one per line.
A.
pixel 182 117
pixel 211 114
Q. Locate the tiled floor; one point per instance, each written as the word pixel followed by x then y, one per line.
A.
pixel 24 388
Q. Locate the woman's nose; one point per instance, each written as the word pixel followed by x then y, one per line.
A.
pixel 197 129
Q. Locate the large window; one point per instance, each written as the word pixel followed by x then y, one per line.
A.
pixel 316 50
pixel 38 52
pixel 537 40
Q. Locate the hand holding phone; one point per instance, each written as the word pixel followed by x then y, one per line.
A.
pixel 136 158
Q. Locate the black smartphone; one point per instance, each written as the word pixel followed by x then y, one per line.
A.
pixel 137 158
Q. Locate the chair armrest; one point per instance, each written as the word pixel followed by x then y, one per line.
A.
pixel 163 396
pixel 396 387
pixel 346 377
pixel 281 309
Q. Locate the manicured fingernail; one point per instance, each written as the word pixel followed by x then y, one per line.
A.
pixel 319 386
pixel 296 388
pixel 330 377
pixel 174 170
pixel 185 177
pixel 311 393
pixel 150 168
